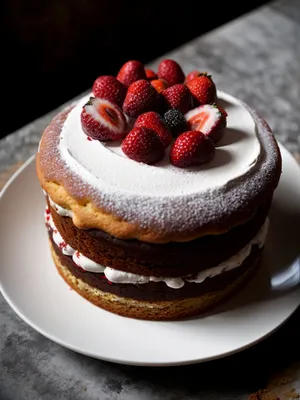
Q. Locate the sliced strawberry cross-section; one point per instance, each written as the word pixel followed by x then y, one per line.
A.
pixel 103 120
pixel 208 119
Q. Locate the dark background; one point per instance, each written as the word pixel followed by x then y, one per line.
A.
pixel 53 50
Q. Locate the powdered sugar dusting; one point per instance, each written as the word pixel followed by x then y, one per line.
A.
pixel 108 170
pixel 163 197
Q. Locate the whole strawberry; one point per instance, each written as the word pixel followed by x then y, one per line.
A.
pixel 130 72
pixel 203 89
pixel 192 75
pixel 150 74
pixel 155 122
pixel 208 119
pixel 143 145
pixel 177 96
pixel 103 120
pixel 159 84
pixel 170 71
pixel 109 88
pixel 191 148
pixel 141 97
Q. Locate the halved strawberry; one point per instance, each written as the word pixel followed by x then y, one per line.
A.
pixel 155 122
pixel 103 120
pixel 191 148
pixel 203 89
pixel 141 97
pixel 130 72
pixel 159 85
pixel 171 71
pixel 208 119
pixel 177 96
pixel 109 88
pixel 143 145
pixel 150 74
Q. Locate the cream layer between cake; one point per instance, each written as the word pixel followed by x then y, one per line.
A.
pixel 122 277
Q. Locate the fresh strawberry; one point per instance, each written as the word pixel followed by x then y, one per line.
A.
pixel 192 75
pixel 143 145
pixel 159 84
pixel 130 72
pixel 208 119
pixel 175 121
pixel 141 97
pixel 171 71
pixel 109 88
pixel 191 148
pixel 103 120
pixel 150 74
pixel 155 122
pixel 203 89
pixel 177 96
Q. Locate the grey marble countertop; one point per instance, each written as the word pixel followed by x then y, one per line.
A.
pixel 256 58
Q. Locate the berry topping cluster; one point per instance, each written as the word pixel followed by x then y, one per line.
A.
pixel 150 111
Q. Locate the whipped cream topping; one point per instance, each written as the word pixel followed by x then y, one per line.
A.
pixel 122 277
pixel 106 168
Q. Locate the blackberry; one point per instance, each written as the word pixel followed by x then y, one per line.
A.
pixel 175 121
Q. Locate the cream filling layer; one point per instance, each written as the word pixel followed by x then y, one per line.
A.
pixel 60 210
pixel 121 277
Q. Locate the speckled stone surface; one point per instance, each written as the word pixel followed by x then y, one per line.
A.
pixel 256 58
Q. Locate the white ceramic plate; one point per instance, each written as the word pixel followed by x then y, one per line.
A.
pixel 35 291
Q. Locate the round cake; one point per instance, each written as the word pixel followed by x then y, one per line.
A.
pixel 158 188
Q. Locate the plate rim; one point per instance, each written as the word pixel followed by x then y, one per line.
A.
pixel 149 364
pixel 16 174
pixel 121 361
